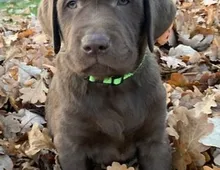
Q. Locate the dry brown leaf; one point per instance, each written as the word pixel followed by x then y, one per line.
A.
pixel 117 166
pixel 39 38
pixel 26 33
pixel 202 30
pixel 37 92
pixel 38 140
pixel 190 134
pixel 216 41
pixel 181 158
pixel 172 132
pixel 216 168
pixel 186 5
pixel 10 38
pixel 178 114
pixel 205 105
pixel 209 168
pixel 211 13
pixel 52 68
pixel 30 82
pixel 177 79
pixel 3 97
pixel 14 72
pixel 168 90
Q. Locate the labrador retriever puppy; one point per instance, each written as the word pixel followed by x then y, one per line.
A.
pixel 106 101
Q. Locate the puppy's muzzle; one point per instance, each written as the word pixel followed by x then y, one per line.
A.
pixel 95 44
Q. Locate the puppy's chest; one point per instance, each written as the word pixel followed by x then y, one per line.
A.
pixel 117 123
pixel 112 150
pixel 110 143
pixel 118 117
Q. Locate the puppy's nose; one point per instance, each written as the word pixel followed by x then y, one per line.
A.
pixel 95 43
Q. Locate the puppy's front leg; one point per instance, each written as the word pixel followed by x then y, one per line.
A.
pixel 70 156
pixel 154 155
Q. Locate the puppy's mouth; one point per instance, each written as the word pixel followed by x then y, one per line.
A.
pixel 100 71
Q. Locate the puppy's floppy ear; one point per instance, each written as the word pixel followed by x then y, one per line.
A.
pixel 158 16
pixel 44 16
pixel 47 15
pixel 55 28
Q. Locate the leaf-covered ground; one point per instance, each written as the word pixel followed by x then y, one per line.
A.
pixel 190 68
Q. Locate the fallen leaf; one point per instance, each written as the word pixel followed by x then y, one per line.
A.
pixel 37 92
pixel 40 38
pixel 28 119
pixel 5 161
pixel 212 139
pixel 216 168
pixel 172 132
pixel 25 72
pixel 217 160
pixel 198 42
pixel 188 144
pixel 202 30
pixel 26 33
pixel 211 13
pixel 210 2
pixel 173 62
pixel 183 50
pixel 38 140
pixel 117 166
pixel 3 97
pixel 205 105
pixel 52 68
pixel 11 126
pixel 10 38
pixel 177 79
pixel 178 114
pixel 30 82
pixel 186 5
pixel 190 135
pixel 181 158
pixel 209 168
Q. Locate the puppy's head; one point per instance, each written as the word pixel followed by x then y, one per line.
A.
pixel 108 37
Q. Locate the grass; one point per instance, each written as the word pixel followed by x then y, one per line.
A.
pixel 20 7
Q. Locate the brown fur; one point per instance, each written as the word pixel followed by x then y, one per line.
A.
pixel 95 123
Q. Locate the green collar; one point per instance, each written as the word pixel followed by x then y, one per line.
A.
pixel 111 80
pixel 117 80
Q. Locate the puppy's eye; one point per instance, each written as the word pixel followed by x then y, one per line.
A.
pixel 123 2
pixel 72 4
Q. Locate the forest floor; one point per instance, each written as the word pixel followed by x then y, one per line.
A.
pixel 190 69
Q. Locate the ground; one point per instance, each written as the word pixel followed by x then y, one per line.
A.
pixel 190 69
